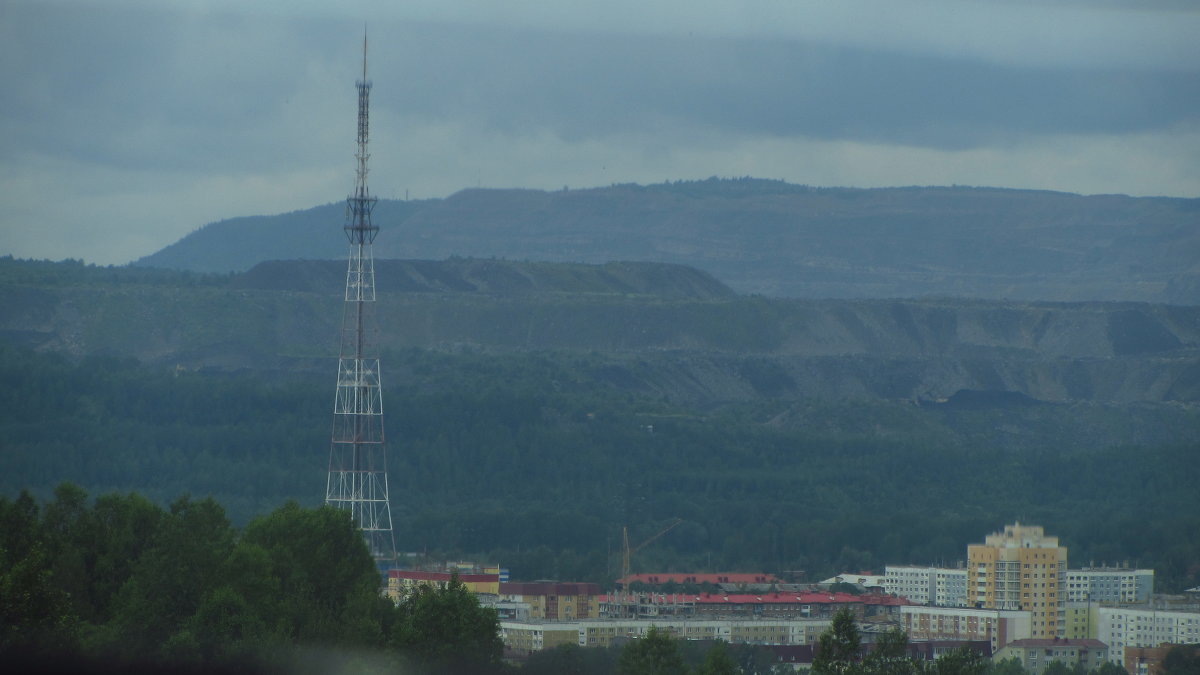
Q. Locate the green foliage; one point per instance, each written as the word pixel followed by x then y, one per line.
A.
pixel 718 661
pixel 122 580
pixel 837 650
pixel 571 659
pixel 964 661
pixel 319 568
pixel 1009 666
pixel 888 656
pixel 444 630
pixel 484 444
pixel 1182 660
pixel 656 653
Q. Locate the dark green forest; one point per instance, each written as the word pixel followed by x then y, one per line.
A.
pixel 120 583
pixel 535 461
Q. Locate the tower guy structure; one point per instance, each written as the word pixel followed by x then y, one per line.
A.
pixel 358 454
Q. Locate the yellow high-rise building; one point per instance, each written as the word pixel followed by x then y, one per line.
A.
pixel 1021 568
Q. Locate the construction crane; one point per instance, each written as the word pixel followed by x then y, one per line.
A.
pixel 627 551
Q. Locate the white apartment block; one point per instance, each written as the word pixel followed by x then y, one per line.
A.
pixel 1121 627
pixel 530 636
pixel 1110 585
pixel 997 626
pixel 941 586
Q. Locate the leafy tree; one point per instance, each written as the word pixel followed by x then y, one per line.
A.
pixel 654 654
pixel 718 661
pixel 889 655
pixel 1057 667
pixel 36 615
pixel 185 561
pixel 754 658
pixel 838 647
pixel 444 630
pixel 1009 666
pixel 310 574
pixel 571 659
pixel 125 526
pixel 1110 668
pixel 964 661
pixel 1182 660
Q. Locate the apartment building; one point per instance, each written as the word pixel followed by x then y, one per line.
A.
pixel 942 586
pixel 1127 627
pixel 1036 654
pixel 1020 568
pixel 999 627
pixel 1110 585
pixel 551 600
pixel 528 636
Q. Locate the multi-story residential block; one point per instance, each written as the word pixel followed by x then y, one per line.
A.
pixel 867 607
pixel 1020 569
pixel 717 579
pixel 997 626
pixel 1110 585
pixel 942 586
pixel 478 579
pixel 1126 627
pixel 522 638
pixel 1082 620
pixel 527 636
pixel 950 587
pixel 552 600
pixel 1036 654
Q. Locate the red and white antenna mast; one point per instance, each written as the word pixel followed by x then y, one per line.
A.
pixel 358 454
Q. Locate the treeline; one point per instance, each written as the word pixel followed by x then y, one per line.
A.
pixel 537 461
pixel 123 582
pixel 120 583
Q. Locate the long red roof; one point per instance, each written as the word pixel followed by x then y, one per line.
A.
pixel 774 599
pixel 694 578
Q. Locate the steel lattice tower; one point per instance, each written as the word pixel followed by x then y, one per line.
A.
pixel 358 455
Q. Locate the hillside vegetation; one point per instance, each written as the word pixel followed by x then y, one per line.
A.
pixel 773 238
pixel 529 425
pixel 664 330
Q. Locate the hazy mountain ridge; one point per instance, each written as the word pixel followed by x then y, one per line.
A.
pixel 469 275
pixel 773 238
pixel 693 342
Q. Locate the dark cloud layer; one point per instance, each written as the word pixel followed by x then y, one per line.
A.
pixel 206 111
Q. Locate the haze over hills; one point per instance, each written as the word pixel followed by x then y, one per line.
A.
pixel 773 238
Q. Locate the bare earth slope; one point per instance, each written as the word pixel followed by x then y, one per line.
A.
pixel 662 329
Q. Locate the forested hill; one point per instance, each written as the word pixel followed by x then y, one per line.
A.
pixel 773 238
pixel 530 428
pixel 495 277
pixel 660 329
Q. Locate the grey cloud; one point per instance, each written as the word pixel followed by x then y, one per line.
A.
pixel 589 86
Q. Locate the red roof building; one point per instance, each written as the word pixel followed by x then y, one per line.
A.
pixel 657 578
pixel 772 605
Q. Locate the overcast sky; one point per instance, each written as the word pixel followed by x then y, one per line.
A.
pixel 126 124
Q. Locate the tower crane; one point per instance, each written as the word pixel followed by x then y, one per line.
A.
pixel 628 551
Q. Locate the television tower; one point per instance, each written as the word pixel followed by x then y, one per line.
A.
pixel 358 456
